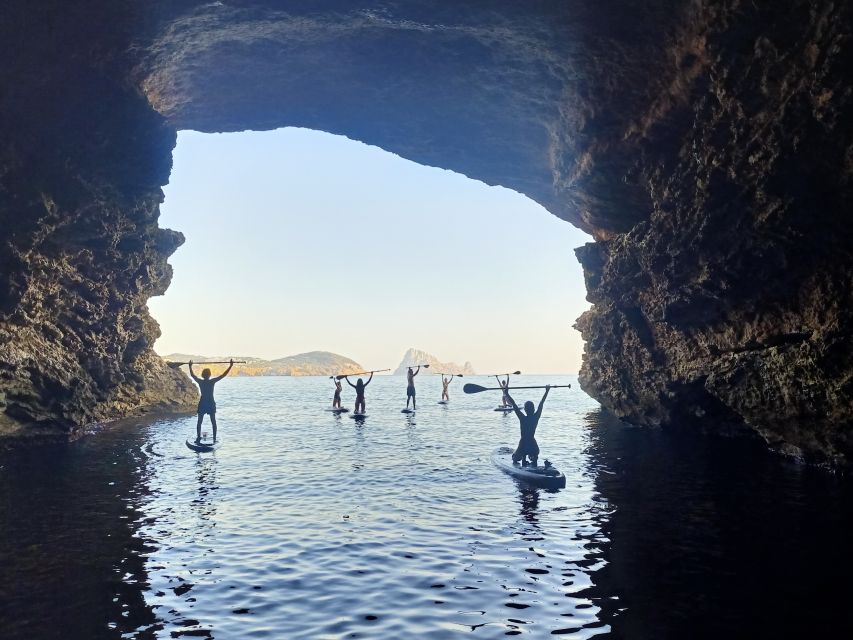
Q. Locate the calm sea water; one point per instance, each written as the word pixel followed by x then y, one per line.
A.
pixel 308 525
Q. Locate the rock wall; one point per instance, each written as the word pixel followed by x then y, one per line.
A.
pixel 82 159
pixel 729 308
pixel 705 145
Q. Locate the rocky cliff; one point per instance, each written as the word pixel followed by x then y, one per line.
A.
pixel 706 146
pixel 414 357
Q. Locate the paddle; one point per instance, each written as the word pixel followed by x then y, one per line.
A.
pixel 498 375
pixel 175 365
pixel 475 388
pixel 360 373
pixel 452 375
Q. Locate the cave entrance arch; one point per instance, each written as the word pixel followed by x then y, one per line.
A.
pixel 299 240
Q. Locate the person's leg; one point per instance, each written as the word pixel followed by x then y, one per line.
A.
pixel 198 427
pixel 414 401
pixel 533 453
pixel 213 422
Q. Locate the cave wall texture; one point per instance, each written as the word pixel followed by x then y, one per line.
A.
pixel 706 146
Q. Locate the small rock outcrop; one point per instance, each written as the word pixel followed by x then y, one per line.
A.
pixel 414 357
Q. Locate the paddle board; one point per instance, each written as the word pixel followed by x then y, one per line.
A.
pixel 443 401
pixel 203 446
pixel 338 410
pixel 407 410
pixel 541 476
pixel 358 415
pixel 504 409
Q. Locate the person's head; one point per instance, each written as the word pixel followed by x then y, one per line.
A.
pixel 206 374
pixel 410 369
pixel 359 383
pixel 530 408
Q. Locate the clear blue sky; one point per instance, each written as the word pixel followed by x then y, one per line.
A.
pixel 298 240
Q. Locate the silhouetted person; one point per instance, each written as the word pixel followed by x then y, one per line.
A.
pixel 336 401
pixel 528 421
pixel 445 382
pixel 504 386
pixel 206 404
pixel 410 387
pixel 359 393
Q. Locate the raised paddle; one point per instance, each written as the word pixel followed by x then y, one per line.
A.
pixel 475 388
pixel 175 365
pixel 498 375
pixel 360 373
pixel 452 375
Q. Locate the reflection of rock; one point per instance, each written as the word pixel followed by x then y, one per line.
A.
pixel 414 357
pixel 706 148
pixel 313 363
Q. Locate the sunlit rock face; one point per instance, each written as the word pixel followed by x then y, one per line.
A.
pixel 705 146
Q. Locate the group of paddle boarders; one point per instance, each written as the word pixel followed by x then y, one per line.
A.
pixel 526 453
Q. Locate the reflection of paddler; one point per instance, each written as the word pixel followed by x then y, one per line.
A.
pixel 528 421
pixel 360 405
pixel 410 388
pixel 207 405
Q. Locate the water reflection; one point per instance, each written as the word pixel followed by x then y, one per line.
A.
pixel 305 527
pixel 735 541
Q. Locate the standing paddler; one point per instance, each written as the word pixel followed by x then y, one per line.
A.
pixel 359 393
pixel 410 387
pixel 336 401
pixel 207 405
pixel 527 422
pixel 504 387
pixel 445 382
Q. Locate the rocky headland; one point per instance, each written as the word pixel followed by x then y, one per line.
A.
pixel 312 363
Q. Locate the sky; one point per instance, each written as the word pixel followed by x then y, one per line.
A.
pixel 299 240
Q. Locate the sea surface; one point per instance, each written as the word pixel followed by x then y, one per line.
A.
pixel 304 524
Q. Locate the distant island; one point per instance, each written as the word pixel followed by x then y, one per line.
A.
pixel 313 363
pixel 414 357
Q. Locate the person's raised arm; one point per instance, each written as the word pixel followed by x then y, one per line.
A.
pixel 542 401
pixel 369 379
pixel 514 407
pixel 192 374
pixel 350 383
pixel 417 371
pixel 226 372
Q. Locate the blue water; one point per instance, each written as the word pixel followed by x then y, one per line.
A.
pixel 304 524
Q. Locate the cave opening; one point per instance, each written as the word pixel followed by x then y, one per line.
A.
pixel 299 240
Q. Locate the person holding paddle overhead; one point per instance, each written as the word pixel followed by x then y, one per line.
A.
pixel 410 388
pixel 336 401
pixel 360 405
pixel 527 422
pixel 504 386
pixel 207 404
pixel 445 382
